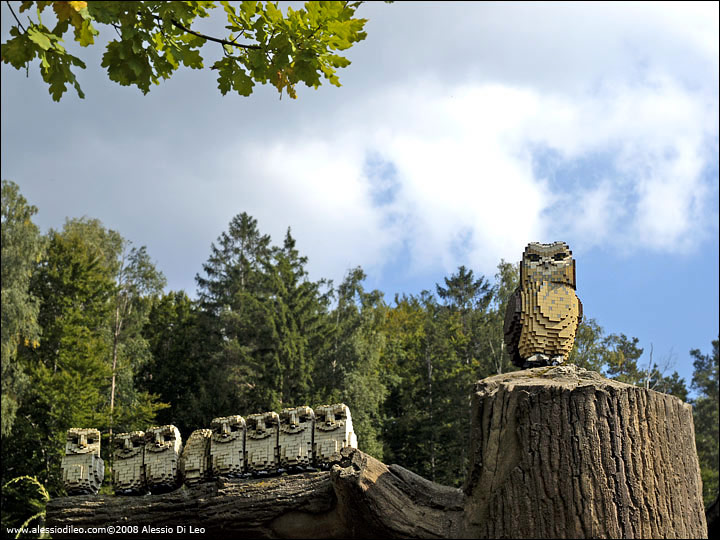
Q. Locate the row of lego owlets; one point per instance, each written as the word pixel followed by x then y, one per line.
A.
pixel 296 439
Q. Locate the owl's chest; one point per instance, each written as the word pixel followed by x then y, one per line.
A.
pixel 554 301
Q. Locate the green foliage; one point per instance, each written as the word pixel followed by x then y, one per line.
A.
pixel 69 371
pixel 23 504
pixel 589 349
pixel 349 369
pixel 435 353
pixel 706 417
pixel 178 371
pixel 156 38
pixel 79 290
pixel 138 283
pixel 21 248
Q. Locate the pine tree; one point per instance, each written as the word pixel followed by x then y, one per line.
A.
pixel 179 337
pixel 706 417
pixel 350 369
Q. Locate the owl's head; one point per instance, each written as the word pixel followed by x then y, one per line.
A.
pixel 296 419
pixel 127 445
pixel 160 439
pixel 548 262
pixel 332 417
pixel 227 428
pixel 82 441
pixel 262 425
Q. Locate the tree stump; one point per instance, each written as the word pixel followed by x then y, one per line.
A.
pixel 561 452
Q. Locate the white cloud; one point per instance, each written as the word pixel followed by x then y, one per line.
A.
pixel 460 112
pixel 467 192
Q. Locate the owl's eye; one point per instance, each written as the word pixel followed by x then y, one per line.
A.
pixel 533 257
pixel 559 256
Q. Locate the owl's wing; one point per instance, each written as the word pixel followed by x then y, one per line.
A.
pixel 513 326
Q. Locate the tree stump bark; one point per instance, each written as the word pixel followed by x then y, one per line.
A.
pixel 561 452
pixel 360 497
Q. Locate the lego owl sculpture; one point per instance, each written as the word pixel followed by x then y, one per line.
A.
pixel 227 446
pixel 333 432
pixel 162 452
pixel 261 443
pixel 544 312
pixel 194 464
pixel 129 463
pixel 295 440
pixel 82 468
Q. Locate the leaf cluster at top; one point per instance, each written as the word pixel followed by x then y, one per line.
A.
pixel 155 38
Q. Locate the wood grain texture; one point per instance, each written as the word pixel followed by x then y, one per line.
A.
pixel 565 453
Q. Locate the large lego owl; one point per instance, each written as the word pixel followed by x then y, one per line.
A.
pixel 82 467
pixel 544 312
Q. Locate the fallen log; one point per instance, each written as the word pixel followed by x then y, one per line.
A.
pixel 360 497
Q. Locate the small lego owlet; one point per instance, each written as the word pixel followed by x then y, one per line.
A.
pixel 129 463
pixel 261 443
pixel 295 440
pixel 163 446
pixel 544 312
pixel 227 446
pixel 82 468
pixel 194 464
pixel 333 432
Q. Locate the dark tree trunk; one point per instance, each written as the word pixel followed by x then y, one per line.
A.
pixel 565 453
pixel 359 498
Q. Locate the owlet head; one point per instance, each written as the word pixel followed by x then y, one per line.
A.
pixel 262 425
pixel 82 441
pixel 296 419
pixel 160 439
pixel 548 262
pixel 127 445
pixel 227 428
pixel 331 417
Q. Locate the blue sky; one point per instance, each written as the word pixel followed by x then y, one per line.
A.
pixel 462 132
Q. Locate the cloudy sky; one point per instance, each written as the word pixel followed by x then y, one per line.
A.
pixel 462 132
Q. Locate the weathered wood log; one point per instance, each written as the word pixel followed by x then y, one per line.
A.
pixel 359 497
pixel 562 452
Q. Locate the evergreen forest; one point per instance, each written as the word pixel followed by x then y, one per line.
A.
pixel 91 337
